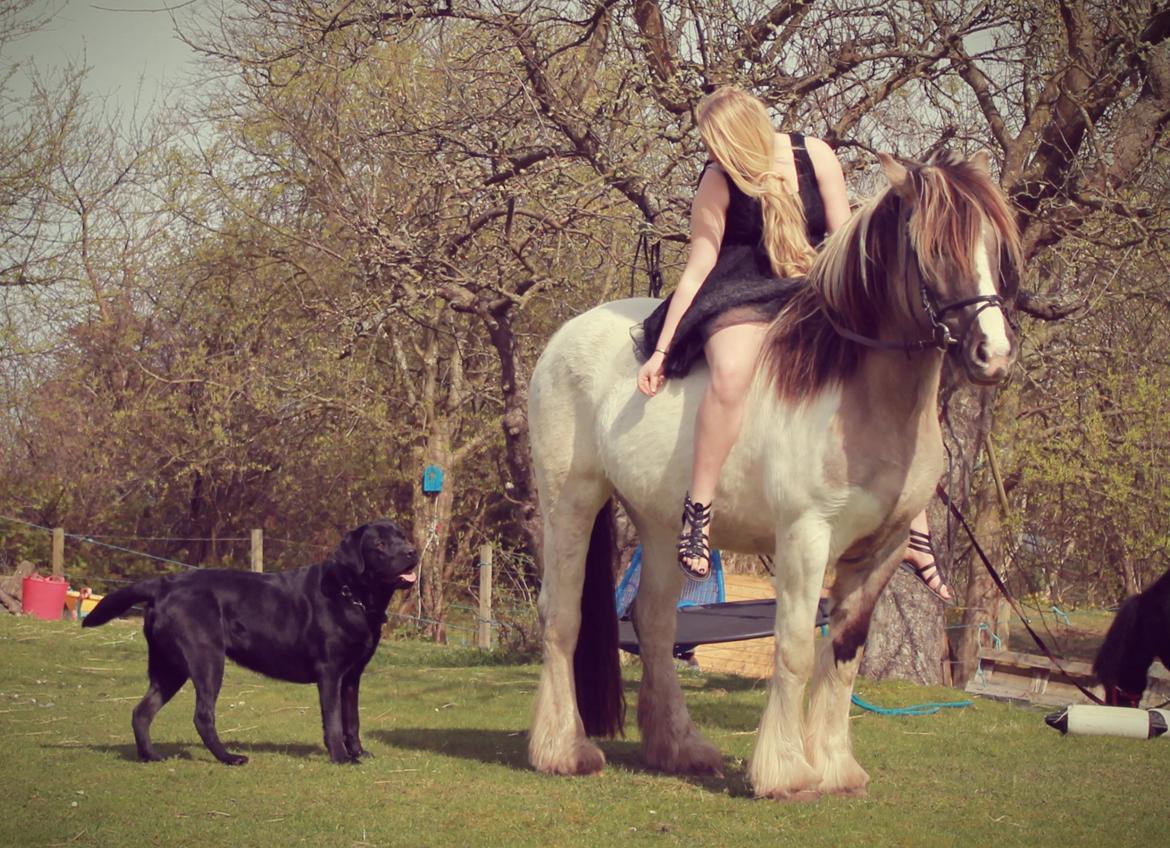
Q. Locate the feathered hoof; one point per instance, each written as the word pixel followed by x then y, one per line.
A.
pixel 801 796
pixel 582 759
pixel 847 780
pixel 696 756
pixel 788 778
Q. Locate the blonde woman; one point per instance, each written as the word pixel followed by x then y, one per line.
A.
pixel 765 201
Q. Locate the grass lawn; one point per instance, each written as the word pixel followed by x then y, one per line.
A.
pixel 1076 635
pixel 447 730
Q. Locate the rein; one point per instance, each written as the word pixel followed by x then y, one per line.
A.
pixel 995 576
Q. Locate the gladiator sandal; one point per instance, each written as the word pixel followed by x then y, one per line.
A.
pixel 693 543
pixel 929 574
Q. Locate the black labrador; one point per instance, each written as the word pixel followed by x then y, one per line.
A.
pixel 319 624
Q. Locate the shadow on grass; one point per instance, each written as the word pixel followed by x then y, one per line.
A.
pixel 182 750
pixel 510 749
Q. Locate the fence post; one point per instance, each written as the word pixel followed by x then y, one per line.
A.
pixel 257 550
pixel 58 559
pixel 485 596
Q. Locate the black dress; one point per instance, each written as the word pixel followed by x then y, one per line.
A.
pixel 741 287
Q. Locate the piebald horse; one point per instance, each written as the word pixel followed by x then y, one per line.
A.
pixel 840 448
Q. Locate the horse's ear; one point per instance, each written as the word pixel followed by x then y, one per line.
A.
pixel 982 161
pixel 899 177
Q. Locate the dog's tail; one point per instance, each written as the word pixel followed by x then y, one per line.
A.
pixel 116 603
pixel 596 664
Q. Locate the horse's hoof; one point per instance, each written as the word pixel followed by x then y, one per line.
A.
pixel 700 758
pixel 844 778
pixel 585 759
pixel 799 796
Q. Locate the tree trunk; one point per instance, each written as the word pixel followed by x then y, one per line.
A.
pixel 983 599
pixel 520 488
pixel 906 637
pixel 432 522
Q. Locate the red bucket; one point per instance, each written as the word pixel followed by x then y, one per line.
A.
pixel 43 597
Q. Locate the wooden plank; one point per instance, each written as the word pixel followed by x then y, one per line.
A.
pixel 1022 660
pixel 1014 675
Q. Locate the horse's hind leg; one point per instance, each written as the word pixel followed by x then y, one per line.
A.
pixel 778 767
pixel 670 741
pixel 829 747
pixel 557 743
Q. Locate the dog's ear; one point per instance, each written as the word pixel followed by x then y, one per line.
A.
pixel 349 552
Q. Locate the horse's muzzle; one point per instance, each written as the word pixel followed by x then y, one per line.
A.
pixel 988 347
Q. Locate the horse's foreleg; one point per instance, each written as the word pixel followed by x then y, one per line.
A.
pixel 557 743
pixel 829 746
pixel 670 741
pixel 778 767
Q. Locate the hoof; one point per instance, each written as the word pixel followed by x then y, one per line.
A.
pixel 845 778
pixel 584 759
pixel 696 757
pixel 234 760
pixel 150 757
pixel 787 778
pixel 800 796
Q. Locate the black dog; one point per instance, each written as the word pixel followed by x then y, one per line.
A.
pixel 1139 634
pixel 318 624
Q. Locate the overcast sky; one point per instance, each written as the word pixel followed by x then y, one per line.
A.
pixel 124 43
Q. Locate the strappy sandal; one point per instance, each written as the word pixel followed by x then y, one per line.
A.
pixel 929 573
pixel 692 541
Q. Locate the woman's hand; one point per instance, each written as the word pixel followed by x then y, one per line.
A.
pixel 652 373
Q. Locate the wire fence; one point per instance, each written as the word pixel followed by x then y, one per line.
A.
pixel 465 625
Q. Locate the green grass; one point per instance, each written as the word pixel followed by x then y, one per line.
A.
pixel 447 732
pixel 1079 638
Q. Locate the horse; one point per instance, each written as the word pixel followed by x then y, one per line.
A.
pixel 1139 634
pixel 840 447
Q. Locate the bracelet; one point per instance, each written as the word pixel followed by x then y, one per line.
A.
pixel 660 350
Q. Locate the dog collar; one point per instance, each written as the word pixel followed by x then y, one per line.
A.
pixel 347 593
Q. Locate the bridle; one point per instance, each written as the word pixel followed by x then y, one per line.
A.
pixel 939 338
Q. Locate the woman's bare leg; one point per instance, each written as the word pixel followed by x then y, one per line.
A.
pixel 731 357
pixel 923 562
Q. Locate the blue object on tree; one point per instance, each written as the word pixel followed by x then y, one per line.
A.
pixel 432 479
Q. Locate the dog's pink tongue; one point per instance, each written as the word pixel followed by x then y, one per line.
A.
pixel 408 576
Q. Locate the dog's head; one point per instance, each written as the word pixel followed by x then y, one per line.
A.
pixel 378 553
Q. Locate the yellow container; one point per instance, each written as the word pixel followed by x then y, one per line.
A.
pixel 78 604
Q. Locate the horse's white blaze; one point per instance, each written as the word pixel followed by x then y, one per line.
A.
pixel 992 321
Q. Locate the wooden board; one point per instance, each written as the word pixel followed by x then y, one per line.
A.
pixel 1016 676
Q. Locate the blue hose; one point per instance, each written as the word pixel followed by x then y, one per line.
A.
pixel 915 710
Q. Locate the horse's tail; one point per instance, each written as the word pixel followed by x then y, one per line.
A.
pixel 596 665
pixel 116 603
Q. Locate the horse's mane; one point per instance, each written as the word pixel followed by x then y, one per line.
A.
pixel 956 203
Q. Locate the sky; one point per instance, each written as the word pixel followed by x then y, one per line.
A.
pixel 128 45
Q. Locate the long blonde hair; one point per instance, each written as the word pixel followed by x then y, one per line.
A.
pixel 739 135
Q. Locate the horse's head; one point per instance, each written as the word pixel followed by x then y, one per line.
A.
pixel 963 262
